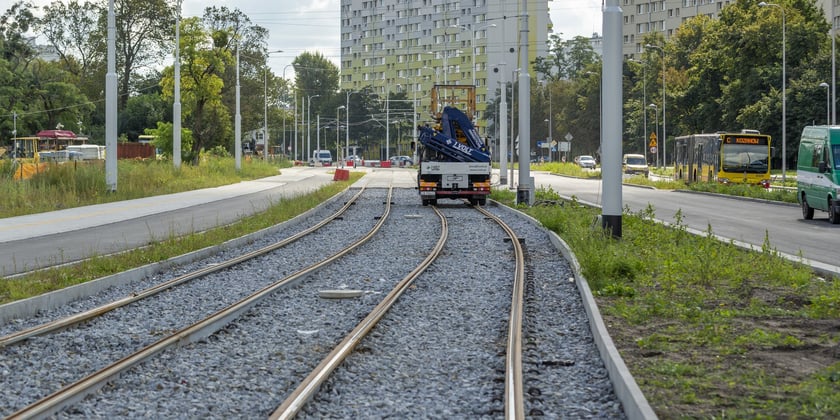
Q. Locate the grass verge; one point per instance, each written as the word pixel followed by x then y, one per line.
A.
pixel 74 184
pixel 33 284
pixel 709 330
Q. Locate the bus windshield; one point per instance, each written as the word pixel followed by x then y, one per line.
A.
pixel 744 158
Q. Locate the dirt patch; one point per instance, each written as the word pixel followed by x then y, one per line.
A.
pixel 688 379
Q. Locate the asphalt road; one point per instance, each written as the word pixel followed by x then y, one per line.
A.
pixel 68 235
pixel 72 234
pixel 748 222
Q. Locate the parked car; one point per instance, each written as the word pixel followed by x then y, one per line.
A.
pixel 585 161
pixel 635 165
pixel 401 161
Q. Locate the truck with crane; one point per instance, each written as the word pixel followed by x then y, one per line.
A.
pixel 454 161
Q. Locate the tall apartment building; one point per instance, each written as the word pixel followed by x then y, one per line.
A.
pixel 644 16
pixel 409 45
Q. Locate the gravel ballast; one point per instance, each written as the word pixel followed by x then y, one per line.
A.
pixel 438 353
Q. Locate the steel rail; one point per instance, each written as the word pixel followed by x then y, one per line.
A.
pixel 310 385
pixel 514 396
pixel 66 396
pixel 69 321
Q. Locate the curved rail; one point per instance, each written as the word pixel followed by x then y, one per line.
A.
pixel 307 389
pixel 74 392
pixel 514 397
pixel 151 291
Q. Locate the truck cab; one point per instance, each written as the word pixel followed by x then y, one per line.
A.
pixel 321 158
pixel 635 165
pixel 818 172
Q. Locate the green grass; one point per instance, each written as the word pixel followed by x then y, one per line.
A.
pixel 708 329
pixel 74 184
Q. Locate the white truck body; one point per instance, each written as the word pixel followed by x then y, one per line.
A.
pixel 454 180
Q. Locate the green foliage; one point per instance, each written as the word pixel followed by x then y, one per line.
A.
pixel 164 139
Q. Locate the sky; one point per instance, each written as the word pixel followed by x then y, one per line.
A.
pixel 296 26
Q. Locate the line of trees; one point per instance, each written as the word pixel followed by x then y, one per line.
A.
pixel 68 89
pixel 720 74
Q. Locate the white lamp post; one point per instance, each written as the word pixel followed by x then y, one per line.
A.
pixel 347 123
pixel 644 100
pixel 827 103
pixel 337 131
pixel 237 121
pixel 784 88
pixel 309 126
pixel 664 138
pixel 656 113
pixel 265 107
pixel 176 105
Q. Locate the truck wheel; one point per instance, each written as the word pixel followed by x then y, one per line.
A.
pixel 833 213
pixel 807 211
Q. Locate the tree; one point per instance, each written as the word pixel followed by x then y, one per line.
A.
pixel 203 61
pixel 566 59
pixel 236 31
pixel 145 31
pixel 71 29
pixel 315 75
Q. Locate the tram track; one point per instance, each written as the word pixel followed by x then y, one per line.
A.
pixel 246 367
pixel 513 393
pixel 198 330
pixel 158 288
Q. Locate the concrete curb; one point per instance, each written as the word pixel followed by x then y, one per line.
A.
pixel 632 399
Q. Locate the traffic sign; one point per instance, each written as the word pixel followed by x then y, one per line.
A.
pixel 653 149
pixel 652 140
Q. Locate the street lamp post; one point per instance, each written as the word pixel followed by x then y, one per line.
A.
pixel 827 103
pixel 784 87
pixel 176 105
pixel 664 138
pixel 309 126
pixel 550 137
pixel 644 100
pixel 655 127
pixel 265 106
pixel 413 107
pixel 337 133
pixel 237 121
pixel 285 148
pixel 347 123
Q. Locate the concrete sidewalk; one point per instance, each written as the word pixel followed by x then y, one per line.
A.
pixel 67 220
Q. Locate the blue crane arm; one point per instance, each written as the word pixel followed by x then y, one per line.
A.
pixel 455 124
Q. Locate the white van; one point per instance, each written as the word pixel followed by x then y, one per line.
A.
pixel 321 158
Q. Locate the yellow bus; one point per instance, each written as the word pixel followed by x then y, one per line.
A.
pixel 740 158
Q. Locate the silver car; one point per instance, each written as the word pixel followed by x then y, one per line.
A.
pixel 585 161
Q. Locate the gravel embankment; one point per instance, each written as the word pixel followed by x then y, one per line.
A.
pixel 438 353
